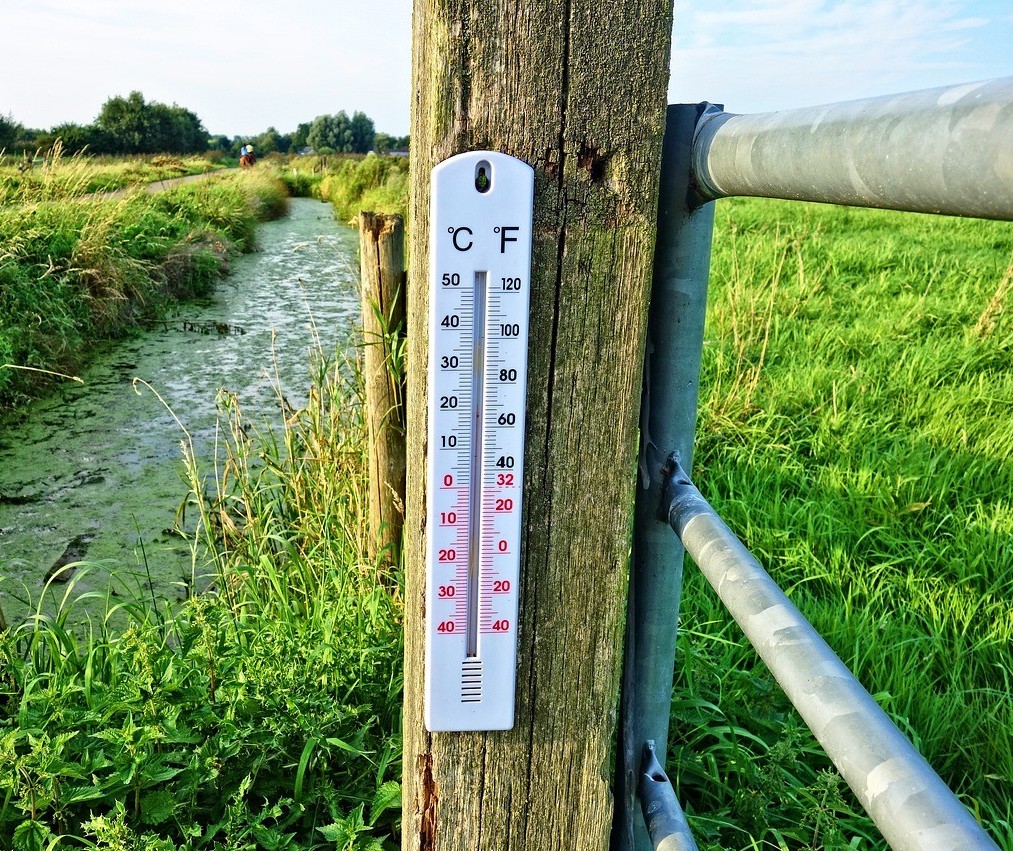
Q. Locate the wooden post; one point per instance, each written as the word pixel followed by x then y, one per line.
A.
pixel 577 89
pixel 381 252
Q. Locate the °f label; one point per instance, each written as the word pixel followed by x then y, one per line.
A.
pixel 479 285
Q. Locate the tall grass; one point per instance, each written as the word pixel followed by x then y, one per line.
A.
pixel 263 715
pixel 856 431
pixel 55 177
pixel 376 183
pixel 352 184
pixel 78 270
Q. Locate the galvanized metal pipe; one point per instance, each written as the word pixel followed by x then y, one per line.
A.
pixel 675 328
pixel 946 150
pixel 666 822
pixel 912 807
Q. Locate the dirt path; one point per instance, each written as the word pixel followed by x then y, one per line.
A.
pixel 158 185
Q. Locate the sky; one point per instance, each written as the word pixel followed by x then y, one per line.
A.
pixel 245 66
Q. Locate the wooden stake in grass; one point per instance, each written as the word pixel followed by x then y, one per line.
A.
pixel 576 89
pixel 381 249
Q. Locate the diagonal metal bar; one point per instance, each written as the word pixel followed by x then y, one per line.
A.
pixel 910 804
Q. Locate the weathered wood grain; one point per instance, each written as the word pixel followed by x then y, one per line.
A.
pixel 576 89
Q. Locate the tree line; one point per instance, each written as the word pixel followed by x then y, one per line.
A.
pixel 131 125
pixel 326 134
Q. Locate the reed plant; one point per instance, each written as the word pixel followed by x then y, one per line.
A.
pixel 375 183
pixel 351 183
pixel 301 178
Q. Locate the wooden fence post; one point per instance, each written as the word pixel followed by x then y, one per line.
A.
pixel 577 89
pixel 381 253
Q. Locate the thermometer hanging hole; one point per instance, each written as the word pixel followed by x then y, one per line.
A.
pixel 483 176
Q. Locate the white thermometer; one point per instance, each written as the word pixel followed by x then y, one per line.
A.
pixel 479 286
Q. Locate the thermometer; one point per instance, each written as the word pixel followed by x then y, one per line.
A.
pixel 479 286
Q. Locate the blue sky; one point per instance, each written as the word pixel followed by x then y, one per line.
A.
pixel 243 66
pixel 760 55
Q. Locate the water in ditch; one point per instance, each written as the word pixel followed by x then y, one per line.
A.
pixel 94 471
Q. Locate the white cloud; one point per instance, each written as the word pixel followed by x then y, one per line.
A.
pixel 765 54
pixel 762 16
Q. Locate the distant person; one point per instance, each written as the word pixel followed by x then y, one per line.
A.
pixel 247 159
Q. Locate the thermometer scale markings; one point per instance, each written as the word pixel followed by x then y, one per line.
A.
pixel 480 255
pixel 477 428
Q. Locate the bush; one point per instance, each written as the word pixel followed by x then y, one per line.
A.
pixel 375 183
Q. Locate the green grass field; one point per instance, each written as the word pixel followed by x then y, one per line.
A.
pixel 855 430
